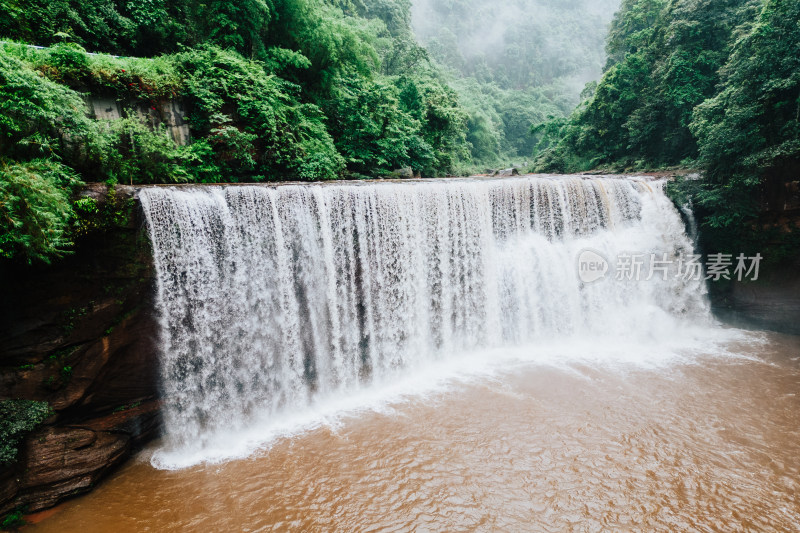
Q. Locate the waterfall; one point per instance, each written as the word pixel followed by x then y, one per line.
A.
pixel 273 297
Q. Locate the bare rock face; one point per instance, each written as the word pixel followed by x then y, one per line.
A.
pixel 81 335
pixel 773 301
pixel 406 173
pixel 169 113
pixel 506 173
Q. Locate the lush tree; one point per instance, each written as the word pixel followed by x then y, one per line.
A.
pixel 253 122
pixel 514 64
pixel 664 59
pixel 38 117
pixel 35 209
pixel 371 130
pixel 712 84
pixel 752 126
pixel 749 133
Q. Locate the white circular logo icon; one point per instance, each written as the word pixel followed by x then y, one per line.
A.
pixel 592 266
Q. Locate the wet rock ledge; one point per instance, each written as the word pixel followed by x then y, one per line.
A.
pixel 80 335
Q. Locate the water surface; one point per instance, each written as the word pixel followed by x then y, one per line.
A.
pixel 702 441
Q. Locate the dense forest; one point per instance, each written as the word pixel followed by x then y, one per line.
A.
pixel 706 84
pixel 283 89
pixel 275 90
pixel 325 89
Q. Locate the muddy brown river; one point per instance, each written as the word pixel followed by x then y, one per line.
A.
pixel 702 442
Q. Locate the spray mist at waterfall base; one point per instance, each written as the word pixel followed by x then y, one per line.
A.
pixel 429 381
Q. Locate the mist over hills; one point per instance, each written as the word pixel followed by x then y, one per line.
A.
pixel 514 64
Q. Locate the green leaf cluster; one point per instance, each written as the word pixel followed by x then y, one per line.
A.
pixel 42 128
pixel 35 209
pixel 17 419
pixel 253 122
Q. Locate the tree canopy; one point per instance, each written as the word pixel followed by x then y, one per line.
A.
pixel 322 89
pixel 274 90
pixel 709 84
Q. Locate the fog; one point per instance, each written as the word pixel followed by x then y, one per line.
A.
pixel 526 42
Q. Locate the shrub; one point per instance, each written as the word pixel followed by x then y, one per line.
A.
pixel 17 419
pixel 253 122
pixel 35 209
pixel 38 117
pixel 130 151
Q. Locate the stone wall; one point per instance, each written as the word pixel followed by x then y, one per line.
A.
pixel 171 114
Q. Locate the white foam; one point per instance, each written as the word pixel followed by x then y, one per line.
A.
pixel 434 379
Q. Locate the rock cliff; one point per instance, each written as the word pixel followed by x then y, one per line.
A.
pixel 80 334
pixel 772 302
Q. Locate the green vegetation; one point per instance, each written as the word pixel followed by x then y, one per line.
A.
pixel 749 132
pixel 274 90
pixel 267 85
pixel 41 123
pixel 93 217
pixel 13 520
pixel 35 208
pixel 706 84
pixel 325 89
pixel 664 59
pixel 251 122
pixel 122 408
pixel 17 419
pixel 514 64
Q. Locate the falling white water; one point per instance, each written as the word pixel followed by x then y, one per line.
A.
pixel 271 298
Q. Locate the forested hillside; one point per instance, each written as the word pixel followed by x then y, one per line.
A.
pixel 274 90
pixel 325 89
pixel 280 89
pixel 706 84
pixel 514 63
